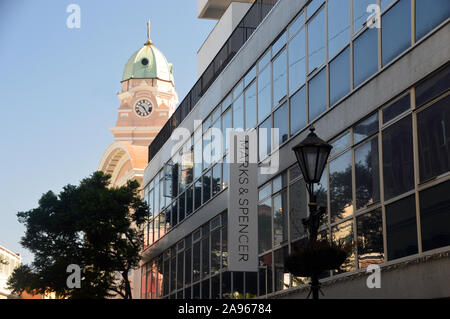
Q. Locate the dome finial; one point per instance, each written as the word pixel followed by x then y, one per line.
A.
pixel 149 41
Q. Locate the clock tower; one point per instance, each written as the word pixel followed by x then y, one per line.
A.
pixel 147 100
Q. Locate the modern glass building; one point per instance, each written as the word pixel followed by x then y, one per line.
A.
pixel 377 88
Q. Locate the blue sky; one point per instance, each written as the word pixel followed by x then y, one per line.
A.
pixel 58 88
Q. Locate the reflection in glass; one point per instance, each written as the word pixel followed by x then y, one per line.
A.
pixel 366 128
pixel 298 111
pixel 433 86
pixel 316 41
pixel 341 187
pixel 396 30
pixel 367 174
pixel 317 95
pixel 205 289
pixel 340 144
pixel 280 220
pixel 206 186
pixel 297 60
pixel 282 276
pixel 265 225
pixel 401 228
pixel 435 216
pixel 313 6
pixel 398 164
pixel 238 285
pixel 251 285
pixel 278 45
pixel 238 113
pixel 279 78
pixel 198 194
pixel 297 208
pixel 434 139
pixel 396 108
pixel 370 239
pixel 280 119
pixel 250 107
pixel 196 261
pixel 338 25
pixel 264 94
pixel 216 179
pixel 430 16
pixel 226 285
pixel 340 76
pixel 187 266
pixel 365 55
pixel 265 275
pixel 205 257
pixel 360 14
pixel 264 138
pixel 215 250
pixel 342 234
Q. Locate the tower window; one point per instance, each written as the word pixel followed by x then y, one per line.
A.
pixel 144 61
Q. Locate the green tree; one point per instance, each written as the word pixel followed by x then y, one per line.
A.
pixel 91 225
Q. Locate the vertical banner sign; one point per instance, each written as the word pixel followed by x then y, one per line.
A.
pixel 242 203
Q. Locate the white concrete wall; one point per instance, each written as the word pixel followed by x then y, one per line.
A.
pixel 221 32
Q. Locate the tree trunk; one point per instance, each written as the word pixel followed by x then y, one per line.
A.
pixel 127 285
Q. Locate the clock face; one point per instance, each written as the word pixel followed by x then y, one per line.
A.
pixel 143 108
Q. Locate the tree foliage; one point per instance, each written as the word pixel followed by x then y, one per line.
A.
pixel 91 225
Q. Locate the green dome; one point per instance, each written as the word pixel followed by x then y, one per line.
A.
pixel 148 63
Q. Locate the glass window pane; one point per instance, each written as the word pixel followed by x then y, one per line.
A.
pixel 282 276
pixel 226 285
pixel 279 183
pixel 188 266
pixel 298 111
pixel 313 6
pixel 224 247
pixel 316 41
pixel 238 285
pixel 341 187
pixel 227 123
pixel 367 174
pixel 338 25
pixel 205 257
pixel 264 94
pixel 280 119
pixel 396 30
pixel 265 225
pixel 366 128
pixel 264 60
pixel 434 139
pixel 401 228
pixel 196 261
pixel 189 200
pixel 340 144
pixel 435 216
pixel 340 76
pixel 385 4
pixel 238 113
pixel 297 60
pixel 215 287
pixel 297 208
pixel 250 107
pixel 429 16
pixel 360 14
pixel 279 78
pixel 365 56
pixel 396 109
pixel 297 24
pixel 264 136
pixel 342 234
pixel 278 45
pixel 317 95
pixel 433 86
pixel 206 186
pixel 180 267
pixel 280 220
pixel 198 194
pixel 265 274
pixel 250 76
pixel 265 191
pixel 398 164
pixel 181 207
pixel 217 179
pixel 251 285
pixel 370 239
pixel 215 250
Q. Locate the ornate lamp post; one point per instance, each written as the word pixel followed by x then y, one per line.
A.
pixel 312 155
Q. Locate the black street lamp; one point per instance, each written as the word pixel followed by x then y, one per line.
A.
pixel 312 155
